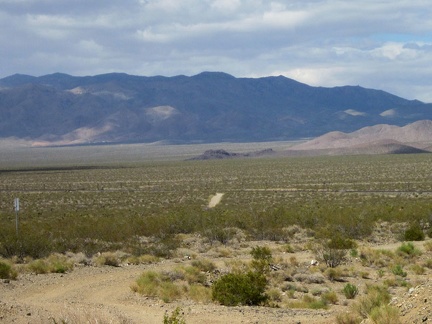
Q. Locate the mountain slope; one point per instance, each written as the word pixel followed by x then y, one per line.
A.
pixel 412 138
pixel 208 107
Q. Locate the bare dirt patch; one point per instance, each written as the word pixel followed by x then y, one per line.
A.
pixel 215 200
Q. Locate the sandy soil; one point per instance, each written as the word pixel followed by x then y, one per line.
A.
pixel 103 295
pixel 215 200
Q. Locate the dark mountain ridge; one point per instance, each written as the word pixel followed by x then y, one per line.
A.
pixel 59 109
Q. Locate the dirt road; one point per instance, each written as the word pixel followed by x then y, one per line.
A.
pixel 215 200
pixel 103 295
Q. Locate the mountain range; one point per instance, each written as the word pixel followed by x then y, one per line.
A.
pixel 60 109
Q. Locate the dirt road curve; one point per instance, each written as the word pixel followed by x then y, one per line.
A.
pixel 104 293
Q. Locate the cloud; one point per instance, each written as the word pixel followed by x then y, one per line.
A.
pixel 378 44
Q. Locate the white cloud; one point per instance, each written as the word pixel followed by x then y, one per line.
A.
pixel 377 44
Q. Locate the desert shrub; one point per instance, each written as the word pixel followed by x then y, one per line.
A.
pixel 334 251
pixel 262 258
pixel 339 242
pixel 204 265
pixel 414 233
pixel 38 266
pixel 428 263
pixel 333 257
pixel 376 296
pixel 30 243
pixel 108 258
pixel 377 258
pixel 189 273
pixel 79 315
pixel 176 317
pixel 418 269
pixel 329 297
pixel 348 318
pixel 385 314
pixel 59 263
pixel 309 278
pixel 274 295
pixel 164 247
pixel 240 289
pixel 408 249
pixel 309 302
pixel 334 274
pixel 397 270
pixel 200 293
pixel 7 271
pixel 428 246
pixel 354 253
pixel 155 284
pixel 350 291
pixel 55 263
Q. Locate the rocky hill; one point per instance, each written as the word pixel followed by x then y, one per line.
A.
pixel 379 139
pixel 60 109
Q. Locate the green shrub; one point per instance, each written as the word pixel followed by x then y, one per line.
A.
pixel 414 233
pixel 408 249
pixel 397 270
pixel 240 289
pixel 350 291
pixel 7 271
pixel 176 317
pixel 262 258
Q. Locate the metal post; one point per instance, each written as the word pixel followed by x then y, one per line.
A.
pixel 17 207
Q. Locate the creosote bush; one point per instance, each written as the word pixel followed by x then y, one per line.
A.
pixel 245 288
pixel 7 271
pixel 414 233
pixel 240 289
pixel 262 258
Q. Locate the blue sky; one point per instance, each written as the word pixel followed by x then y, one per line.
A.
pixel 376 44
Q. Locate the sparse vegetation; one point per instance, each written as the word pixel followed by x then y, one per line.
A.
pixel 240 289
pixel 414 233
pixel 7 270
pixel 350 291
pixel 176 317
pixel 148 212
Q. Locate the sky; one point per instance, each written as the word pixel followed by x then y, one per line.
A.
pixel 378 44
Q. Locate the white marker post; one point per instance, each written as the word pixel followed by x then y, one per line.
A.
pixel 16 207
